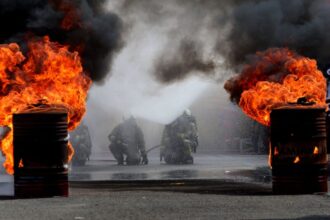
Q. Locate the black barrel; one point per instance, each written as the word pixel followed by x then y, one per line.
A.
pixel 328 130
pixel 299 150
pixel 40 154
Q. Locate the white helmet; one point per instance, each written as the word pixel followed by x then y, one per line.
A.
pixel 187 112
pixel 128 115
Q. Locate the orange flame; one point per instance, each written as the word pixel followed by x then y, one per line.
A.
pixel 51 74
pixel 291 77
pixel 20 164
pixel 296 160
pixel 316 150
pixel 70 151
pixel 270 157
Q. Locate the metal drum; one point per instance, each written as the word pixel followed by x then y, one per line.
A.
pixel 40 154
pixel 299 150
pixel 328 130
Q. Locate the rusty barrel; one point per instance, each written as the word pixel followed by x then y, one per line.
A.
pixel 40 154
pixel 299 150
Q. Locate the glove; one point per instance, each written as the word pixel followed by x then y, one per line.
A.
pixel 144 159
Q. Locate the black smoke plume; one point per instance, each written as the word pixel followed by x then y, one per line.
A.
pixel 186 59
pixel 300 25
pixel 82 24
pixel 255 25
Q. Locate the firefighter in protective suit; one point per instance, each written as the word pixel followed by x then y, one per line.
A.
pixel 180 140
pixel 82 145
pixel 127 143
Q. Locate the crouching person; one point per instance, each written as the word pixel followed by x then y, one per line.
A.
pixel 127 143
pixel 180 140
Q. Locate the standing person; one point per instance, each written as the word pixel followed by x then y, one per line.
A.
pixel 127 143
pixel 179 140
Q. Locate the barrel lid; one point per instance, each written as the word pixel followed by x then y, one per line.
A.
pixel 300 107
pixel 41 115
pixel 43 109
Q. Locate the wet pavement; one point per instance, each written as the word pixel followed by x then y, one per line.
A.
pixel 204 167
pixel 215 187
pixel 239 174
pixel 100 170
pixel 216 174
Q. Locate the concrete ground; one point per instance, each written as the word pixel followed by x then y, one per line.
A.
pixel 107 203
pixel 215 187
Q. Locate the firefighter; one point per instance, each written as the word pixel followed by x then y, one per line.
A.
pixel 127 143
pixel 82 145
pixel 180 140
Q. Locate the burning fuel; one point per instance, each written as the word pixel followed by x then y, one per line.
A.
pixel 275 78
pixel 49 75
pixel 50 53
pixel 21 163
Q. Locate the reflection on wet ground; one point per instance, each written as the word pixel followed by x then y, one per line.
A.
pixel 260 174
pixel 222 174
pixel 179 174
pixel 200 186
pixel 217 173
pixel 238 167
pixel 128 176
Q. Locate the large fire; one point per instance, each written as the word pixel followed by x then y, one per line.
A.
pixel 277 77
pixel 50 74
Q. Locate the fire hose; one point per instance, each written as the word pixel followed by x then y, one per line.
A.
pixel 153 148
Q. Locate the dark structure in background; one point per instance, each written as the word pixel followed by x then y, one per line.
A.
pixel 298 150
pixel 40 154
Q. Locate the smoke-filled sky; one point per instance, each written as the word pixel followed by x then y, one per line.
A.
pixel 154 58
pixel 232 29
pixel 161 69
pixel 84 25
pixel 196 36
pixel 175 50
pixel 170 41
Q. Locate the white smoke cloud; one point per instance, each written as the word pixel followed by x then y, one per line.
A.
pixel 132 88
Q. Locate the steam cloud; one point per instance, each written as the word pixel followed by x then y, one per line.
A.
pixel 185 25
pixel 82 24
